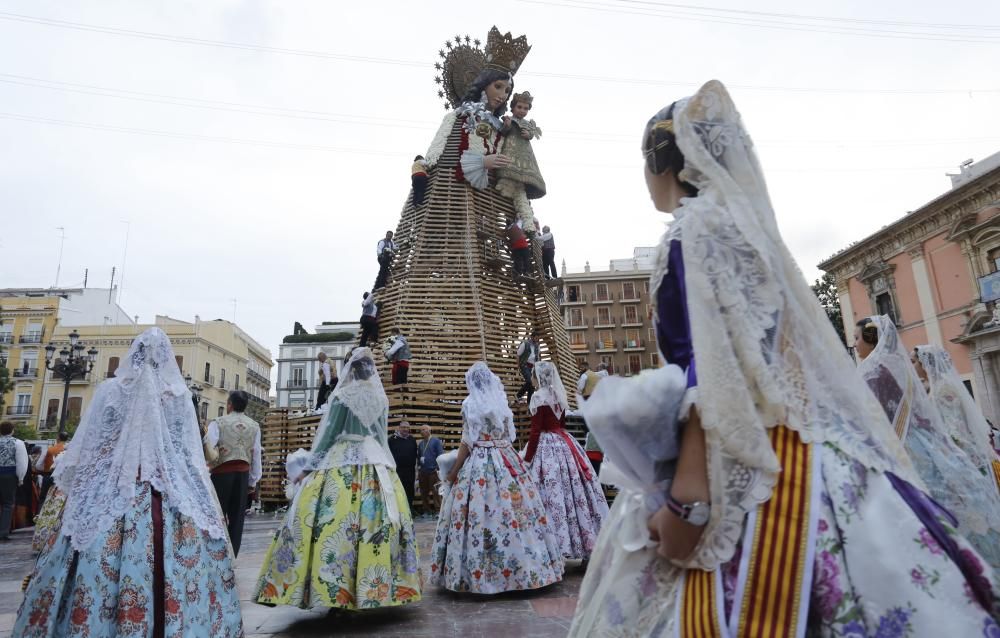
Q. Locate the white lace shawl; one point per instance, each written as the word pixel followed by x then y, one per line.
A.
pixel 139 424
pixel 440 141
pixel 360 389
pixel 952 478
pixel 551 391
pixel 765 351
pixel 963 419
pixel 487 401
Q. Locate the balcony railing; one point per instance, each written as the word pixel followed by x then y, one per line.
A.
pixel 6 337
pixel 605 323
pixel 20 410
pixel 576 325
pixel 578 299
pixel 609 345
pixel 634 344
pixel 579 347
pixel 31 337
pixel 26 374
pixel 604 298
pixel 209 379
pixel 295 384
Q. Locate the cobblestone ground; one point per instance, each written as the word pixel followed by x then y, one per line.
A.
pixel 538 614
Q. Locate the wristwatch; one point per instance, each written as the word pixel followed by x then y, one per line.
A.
pixel 691 513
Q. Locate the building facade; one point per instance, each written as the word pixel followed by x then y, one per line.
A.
pixel 217 355
pixel 298 369
pixel 933 272
pixel 608 314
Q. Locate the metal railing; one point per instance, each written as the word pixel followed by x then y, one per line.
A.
pixel 31 337
pixel 30 372
pixel 6 337
pixel 20 410
pixel 610 344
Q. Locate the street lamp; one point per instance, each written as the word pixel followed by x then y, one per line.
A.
pixel 195 389
pixel 72 363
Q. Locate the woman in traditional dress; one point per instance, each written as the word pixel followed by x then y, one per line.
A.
pixel 574 501
pixel 963 419
pixel 347 540
pixel 492 533
pixel 48 518
pixel 140 549
pixel 781 501
pixel 954 479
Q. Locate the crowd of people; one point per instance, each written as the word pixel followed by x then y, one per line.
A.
pixel 767 484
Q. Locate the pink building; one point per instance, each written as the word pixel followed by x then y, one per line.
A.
pixel 935 271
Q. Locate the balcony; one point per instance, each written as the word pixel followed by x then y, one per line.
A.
pixel 630 297
pixel 20 410
pixel 30 338
pixel 579 347
pixel 6 337
pixel 259 378
pixel 607 322
pixel 579 299
pixel 296 384
pixel 634 345
pixel 632 322
pixel 602 299
pixel 609 345
pixel 576 325
pixel 22 373
pixel 209 379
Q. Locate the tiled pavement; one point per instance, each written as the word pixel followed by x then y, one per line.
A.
pixel 543 613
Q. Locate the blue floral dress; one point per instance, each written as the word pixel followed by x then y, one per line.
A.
pixel 110 588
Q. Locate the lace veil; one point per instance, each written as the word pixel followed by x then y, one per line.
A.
pixel 551 391
pixel 360 389
pixel 139 424
pixel 952 478
pixel 963 419
pixel 766 352
pixel 487 401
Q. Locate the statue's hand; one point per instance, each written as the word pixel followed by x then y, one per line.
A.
pixel 526 135
pixel 496 161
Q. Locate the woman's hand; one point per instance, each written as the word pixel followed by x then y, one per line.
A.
pixel 452 477
pixel 496 161
pixel 676 537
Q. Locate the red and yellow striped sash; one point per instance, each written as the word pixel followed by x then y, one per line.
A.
pixel 700 613
pixel 775 574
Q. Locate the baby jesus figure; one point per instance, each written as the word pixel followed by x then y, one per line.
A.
pixel 520 180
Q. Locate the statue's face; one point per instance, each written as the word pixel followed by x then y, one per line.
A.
pixel 496 93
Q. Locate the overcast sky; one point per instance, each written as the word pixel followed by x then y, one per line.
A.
pixel 259 149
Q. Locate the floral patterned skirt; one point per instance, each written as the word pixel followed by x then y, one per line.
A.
pixel 574 504
pixel 338 547
pixel 48 519
pixel 107 590
pixel 878 571
pixel 492 533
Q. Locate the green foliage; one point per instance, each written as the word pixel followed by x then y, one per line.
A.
pixel 319 338
pixel 24 432
pixel 825 290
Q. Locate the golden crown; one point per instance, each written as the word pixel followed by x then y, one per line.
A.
pixel 505 52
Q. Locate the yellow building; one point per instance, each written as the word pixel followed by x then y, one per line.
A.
pixel 218 355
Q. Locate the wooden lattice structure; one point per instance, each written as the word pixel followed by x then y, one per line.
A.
pixel 454 295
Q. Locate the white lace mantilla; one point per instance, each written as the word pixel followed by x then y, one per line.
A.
pixel 765 351
pixel 139 424
pixel 487 402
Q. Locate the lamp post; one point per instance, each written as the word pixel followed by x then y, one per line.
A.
pixel 72 363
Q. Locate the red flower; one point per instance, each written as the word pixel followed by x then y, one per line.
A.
pixel 543 520
pixel 506 573
pixel 79 615
pixel 481 482
pixel 458 525
pixel 172 605
pixel 513 524
pixel 478 573
pixel 434 567
pixel 135 614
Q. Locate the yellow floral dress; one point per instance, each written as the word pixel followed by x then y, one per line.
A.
pixel 347 540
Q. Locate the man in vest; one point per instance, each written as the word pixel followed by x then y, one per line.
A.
pixel 13 466
pixel 527 356
pixel 232 448
pixel 399 354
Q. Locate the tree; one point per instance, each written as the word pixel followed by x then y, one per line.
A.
pixel 825 290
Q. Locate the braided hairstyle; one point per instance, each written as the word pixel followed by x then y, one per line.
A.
pixel 659 146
